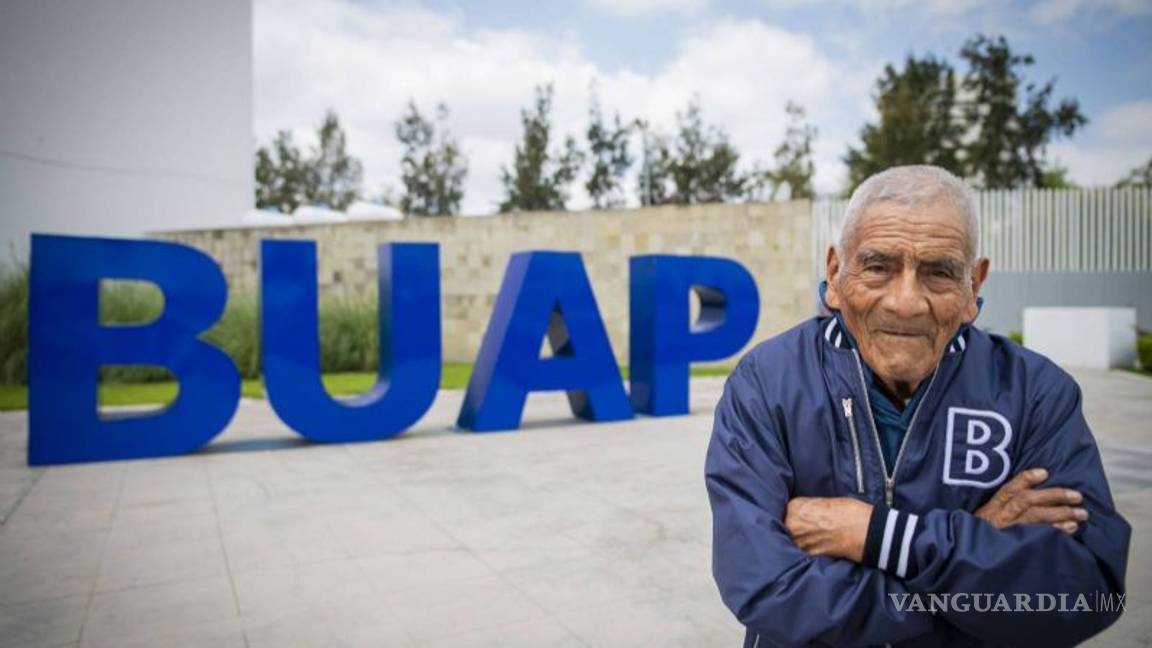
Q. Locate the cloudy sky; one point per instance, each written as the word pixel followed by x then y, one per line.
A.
pixel 648 58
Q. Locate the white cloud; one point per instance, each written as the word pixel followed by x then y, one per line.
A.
pixel 745 72
pixel 934 7
pixel 1047 12
pixel 1130 122
pixel 367 62
pixel 634 8
pixel 1110 146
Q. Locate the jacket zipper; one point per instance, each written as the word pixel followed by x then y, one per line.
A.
pixel 847 403
pixel 890 479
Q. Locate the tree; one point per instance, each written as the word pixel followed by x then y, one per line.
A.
pixel 1008 118
pixel 918 122
pixel 538 177
pixel 992 127
pixel 282 175
pixel 334 175
pixel 265 179
pixel 608 148
pixel 433 168
pixel 286 179
pixel 653 179
pixel 702 167
pixel 1141 176
pixel 794 168
pixel 1055 176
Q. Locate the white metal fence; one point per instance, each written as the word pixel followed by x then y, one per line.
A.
pixel 1041 230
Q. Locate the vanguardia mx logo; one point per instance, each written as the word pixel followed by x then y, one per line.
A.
pixel 1015 602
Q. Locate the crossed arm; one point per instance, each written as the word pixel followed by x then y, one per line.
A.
pixel 837 527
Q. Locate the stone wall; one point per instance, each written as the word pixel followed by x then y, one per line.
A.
pixel 772 240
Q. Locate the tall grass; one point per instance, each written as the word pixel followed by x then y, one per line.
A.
pixel 14 327
pixel 124 303
pixel 348 330
pixel 348 336
pixel 238 334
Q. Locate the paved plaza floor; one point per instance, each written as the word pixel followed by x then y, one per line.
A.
pixel 561 534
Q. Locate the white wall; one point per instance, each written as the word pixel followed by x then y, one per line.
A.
pixel 1096 338
pixel 123 116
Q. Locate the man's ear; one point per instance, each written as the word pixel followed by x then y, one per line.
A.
pixel 979 274
pixel 832 274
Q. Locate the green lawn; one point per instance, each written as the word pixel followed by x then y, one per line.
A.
pixel 454 376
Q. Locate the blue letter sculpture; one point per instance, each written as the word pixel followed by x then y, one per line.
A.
pixel 67 346
pixel 662 341
pixel 544 293
pixel 408 284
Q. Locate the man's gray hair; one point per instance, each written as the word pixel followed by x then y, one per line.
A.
pixel 911 186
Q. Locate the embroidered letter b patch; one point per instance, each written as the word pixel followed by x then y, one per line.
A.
pixel 974 450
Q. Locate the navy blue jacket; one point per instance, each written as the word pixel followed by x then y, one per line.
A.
pixel 794 420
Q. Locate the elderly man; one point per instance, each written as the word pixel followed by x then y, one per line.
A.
pixel 884 474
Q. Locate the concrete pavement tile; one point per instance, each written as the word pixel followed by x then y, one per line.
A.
pixel 590 582
pixel 533 634
pixel 401 571
pixel 11 492
pixel 442 609
pixel 229 634
pixel 82 478
pixel 350 623
pixel 159 610
pixel 53 622
pixel 131 563
pixel 613 526
pixel 159 523
pixel 293 537
pixel 165 481
pixel 649 622
pixel 519 531
pixel 37 566
pixel 294 587
pixel 63 513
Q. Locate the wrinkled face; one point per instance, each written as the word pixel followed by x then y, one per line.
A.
pixel 903 288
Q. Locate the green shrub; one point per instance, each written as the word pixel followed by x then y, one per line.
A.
pixel 348 338
pixel 237 333
pixel 1017 337
pixel 1144 350
pixel 131 302
pixel 14 327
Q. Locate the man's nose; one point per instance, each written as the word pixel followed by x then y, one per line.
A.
pixel 907 298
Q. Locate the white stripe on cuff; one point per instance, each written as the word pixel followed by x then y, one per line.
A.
pixel 906 545
pixel 886 546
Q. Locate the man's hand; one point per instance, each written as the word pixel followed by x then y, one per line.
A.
pixel 1018 502
pixel 829 526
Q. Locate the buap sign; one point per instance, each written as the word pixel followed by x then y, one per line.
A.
pixel 543 295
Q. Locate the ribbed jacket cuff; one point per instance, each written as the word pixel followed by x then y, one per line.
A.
pixel 888 546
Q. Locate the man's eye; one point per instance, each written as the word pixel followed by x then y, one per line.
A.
pixel 874 267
